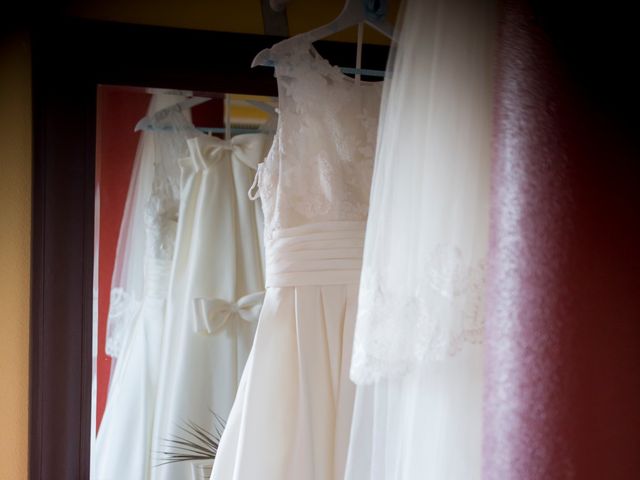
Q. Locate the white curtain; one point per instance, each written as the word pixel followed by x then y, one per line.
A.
pixel 417 355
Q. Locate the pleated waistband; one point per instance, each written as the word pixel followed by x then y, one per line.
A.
pixel 316 254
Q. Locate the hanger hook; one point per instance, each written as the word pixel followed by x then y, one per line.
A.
pixel 375 9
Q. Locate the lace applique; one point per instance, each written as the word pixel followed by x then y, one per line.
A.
pixel 370 123
pixel 122 308
pixel 320 164
pixel 397 330
pixel 161 217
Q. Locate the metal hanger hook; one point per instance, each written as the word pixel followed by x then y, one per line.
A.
pixel 375 9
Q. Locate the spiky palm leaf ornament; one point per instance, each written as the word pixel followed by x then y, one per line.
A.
pixel 193 443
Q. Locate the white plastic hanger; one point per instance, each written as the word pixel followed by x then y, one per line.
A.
pixel 145 123
pixel 227 117
pixel 355 12
pixel 149 122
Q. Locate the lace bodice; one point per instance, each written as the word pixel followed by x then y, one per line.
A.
pixel 161 217
pixel 320 164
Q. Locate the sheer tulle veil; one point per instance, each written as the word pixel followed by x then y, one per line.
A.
pixel 155 167
pixel 417 355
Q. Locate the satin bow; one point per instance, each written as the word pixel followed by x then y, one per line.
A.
pixel 212 315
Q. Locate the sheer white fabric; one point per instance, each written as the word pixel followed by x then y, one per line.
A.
pixel 123 443
pixel 292 415
pixel 427 233
pixel 417 349
pixel 215 291
pixel 425 425
pixel 155 161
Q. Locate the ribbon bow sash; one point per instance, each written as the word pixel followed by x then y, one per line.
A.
pixel 212 315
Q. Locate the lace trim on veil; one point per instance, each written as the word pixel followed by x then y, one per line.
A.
pixel 398 330
pixel 123 306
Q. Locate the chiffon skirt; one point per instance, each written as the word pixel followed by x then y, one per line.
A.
pixel 292 414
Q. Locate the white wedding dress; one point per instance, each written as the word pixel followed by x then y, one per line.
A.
pixel 292 415
pixel 215 292
pixel 138 299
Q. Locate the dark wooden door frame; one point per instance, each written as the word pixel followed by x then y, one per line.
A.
pixel 70 59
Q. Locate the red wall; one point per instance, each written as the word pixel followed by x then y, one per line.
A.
pixel 118 111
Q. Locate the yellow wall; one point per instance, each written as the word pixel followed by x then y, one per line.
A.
pixel 15 226
pixel 15 170
pixel 224 15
